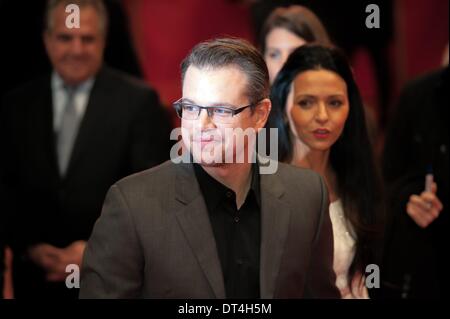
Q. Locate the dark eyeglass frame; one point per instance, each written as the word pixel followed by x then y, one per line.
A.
pixel 209 109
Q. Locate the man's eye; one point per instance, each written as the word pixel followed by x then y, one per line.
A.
pixel 88 39
pixel 190 108
pixel 222 111
pixel 64 37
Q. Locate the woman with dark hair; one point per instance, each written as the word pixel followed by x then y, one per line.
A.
pixel 286 29
pixel 321 126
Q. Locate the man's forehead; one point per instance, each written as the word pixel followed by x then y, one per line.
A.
pixel 227 77
pixel 226 83
pixel 88 17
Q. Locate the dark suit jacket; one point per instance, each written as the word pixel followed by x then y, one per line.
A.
pixel 416 259
pixel 2 268
pixel 2 239
pixel 124 130
pixel 2 260
pixel 154 238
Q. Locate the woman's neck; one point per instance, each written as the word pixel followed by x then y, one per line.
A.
pixel 319 162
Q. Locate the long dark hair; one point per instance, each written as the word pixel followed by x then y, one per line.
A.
pixel 351 157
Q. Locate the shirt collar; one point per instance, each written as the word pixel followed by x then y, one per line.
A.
pixel 214 192
pixel 57 83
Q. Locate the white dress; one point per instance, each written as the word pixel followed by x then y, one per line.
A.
pixel 344 252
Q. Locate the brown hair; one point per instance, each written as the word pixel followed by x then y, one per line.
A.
pixel 297 19
pixel 218 53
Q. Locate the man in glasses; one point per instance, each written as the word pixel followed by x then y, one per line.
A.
pixel 215 228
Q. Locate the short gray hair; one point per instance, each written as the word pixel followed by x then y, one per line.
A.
pixel 98 5
pixel 218 53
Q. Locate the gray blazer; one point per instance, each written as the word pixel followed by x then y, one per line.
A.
pixel 154 239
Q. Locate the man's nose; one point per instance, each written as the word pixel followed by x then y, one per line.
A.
pixel 205 120
pixel 77 46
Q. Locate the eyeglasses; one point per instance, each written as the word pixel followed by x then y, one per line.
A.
pixel 218 114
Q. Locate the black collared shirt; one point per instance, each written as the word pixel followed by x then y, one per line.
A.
pixel 237 233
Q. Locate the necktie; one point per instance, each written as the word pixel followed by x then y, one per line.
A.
pixel 67 131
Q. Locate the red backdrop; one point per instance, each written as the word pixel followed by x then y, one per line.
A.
pixel 164 31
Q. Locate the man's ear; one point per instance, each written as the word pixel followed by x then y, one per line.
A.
pixel 262 111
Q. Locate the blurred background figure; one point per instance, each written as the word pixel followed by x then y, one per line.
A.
pixel 285 30
pixel 68 136
pixel 367 48
pixel 2 258
pixel 22 31
pixel 323 128
pixel 445 56
pixel 415 261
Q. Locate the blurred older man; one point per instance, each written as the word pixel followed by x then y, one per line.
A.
pixel 68 137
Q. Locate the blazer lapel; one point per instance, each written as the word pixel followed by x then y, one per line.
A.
pixel 275 215
pixel 194 220
pixel 93 119
pixel 41 135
